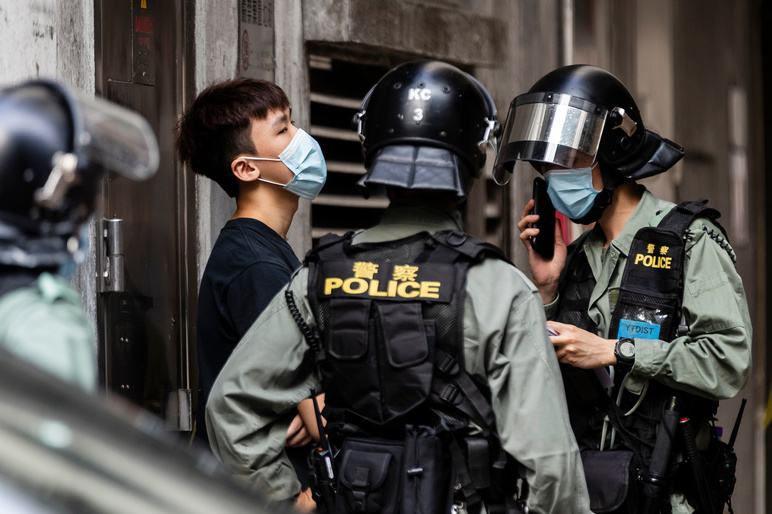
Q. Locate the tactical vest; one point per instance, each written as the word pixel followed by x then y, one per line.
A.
pixel 398 401
pixel 648 307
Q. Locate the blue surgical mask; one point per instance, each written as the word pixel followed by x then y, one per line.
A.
pixel 303 156
pixel 571 191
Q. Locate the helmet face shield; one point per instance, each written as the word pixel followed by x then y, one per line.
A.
pixel 551 128
pixel 115 138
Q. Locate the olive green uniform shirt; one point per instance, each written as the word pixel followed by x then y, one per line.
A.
pixel 713 359
pixel 505 344
pixel 45 325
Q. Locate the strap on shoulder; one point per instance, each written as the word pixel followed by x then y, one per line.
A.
pixel 329 245
pixel 467 246
pixel 682 215
pixel 454 385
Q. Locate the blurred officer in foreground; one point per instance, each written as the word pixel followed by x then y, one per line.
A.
pixel 441 384
pixel 651 292
pixel 55 145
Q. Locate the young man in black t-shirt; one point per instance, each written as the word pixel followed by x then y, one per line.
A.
pixel 240 134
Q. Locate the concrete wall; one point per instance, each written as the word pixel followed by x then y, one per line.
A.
pixel 470 35
pixel 215 57
pixel 654 82
pixel 47 39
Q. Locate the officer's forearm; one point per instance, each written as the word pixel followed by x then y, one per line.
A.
pixel 306 411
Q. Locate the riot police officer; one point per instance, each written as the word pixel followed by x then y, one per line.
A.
pixel 430 346
pixel 55 145
pixel 650 294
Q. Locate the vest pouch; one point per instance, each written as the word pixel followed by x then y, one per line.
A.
pixel 409 347
pixel 351 368
pixel 427 487
pixel 608 479
pixel 370 476
pixel 649 297
pixel 640 316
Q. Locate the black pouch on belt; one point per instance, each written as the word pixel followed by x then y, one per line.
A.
pixel 427 472
pixel 370 476
pixel 394 477
pixel 608 478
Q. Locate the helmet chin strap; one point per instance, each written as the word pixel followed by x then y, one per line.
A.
pixel 610 183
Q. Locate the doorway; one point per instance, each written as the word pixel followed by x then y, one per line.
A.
pixel 143 261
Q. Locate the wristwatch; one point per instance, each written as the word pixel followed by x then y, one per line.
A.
pixel 624 351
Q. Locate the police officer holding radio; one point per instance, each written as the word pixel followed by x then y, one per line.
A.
pixel 649 299
pixel 441 383
pixel 56 143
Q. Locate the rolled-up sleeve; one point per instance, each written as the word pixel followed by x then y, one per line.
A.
pixel 252 401
pixel 506 343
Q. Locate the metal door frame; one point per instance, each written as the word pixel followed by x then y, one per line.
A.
pixel 184 194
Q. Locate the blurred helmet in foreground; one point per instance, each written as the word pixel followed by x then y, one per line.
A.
pixel 56 143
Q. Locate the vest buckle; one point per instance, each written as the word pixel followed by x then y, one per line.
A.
pixel 449 393
pixel 447 365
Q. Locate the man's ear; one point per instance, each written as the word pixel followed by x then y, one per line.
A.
pixel 244 171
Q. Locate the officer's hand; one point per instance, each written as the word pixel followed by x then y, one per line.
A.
pixel 580 348
pixel 544 273
pixel 297 433
pixel 305 502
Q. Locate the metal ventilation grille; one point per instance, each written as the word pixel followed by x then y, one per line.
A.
pixel 337 89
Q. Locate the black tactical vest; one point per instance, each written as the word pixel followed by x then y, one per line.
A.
pixel 648 306
pixel 390 316
pixel 384 311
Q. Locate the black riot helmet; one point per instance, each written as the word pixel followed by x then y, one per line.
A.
pixel 583 111
pixel 55 145
pixel 426 125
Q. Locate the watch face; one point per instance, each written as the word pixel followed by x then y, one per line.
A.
pixel 627 349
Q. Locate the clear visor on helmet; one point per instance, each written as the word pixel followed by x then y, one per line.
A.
pixel 114 137
pixel 549 127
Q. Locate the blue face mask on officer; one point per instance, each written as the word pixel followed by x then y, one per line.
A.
pixel 571 191
pixel 303 156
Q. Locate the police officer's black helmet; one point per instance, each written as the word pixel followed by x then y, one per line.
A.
pixel 583 110
pixel 426 125
pixel 55 145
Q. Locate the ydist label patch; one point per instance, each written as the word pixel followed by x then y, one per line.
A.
pixel 638 329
